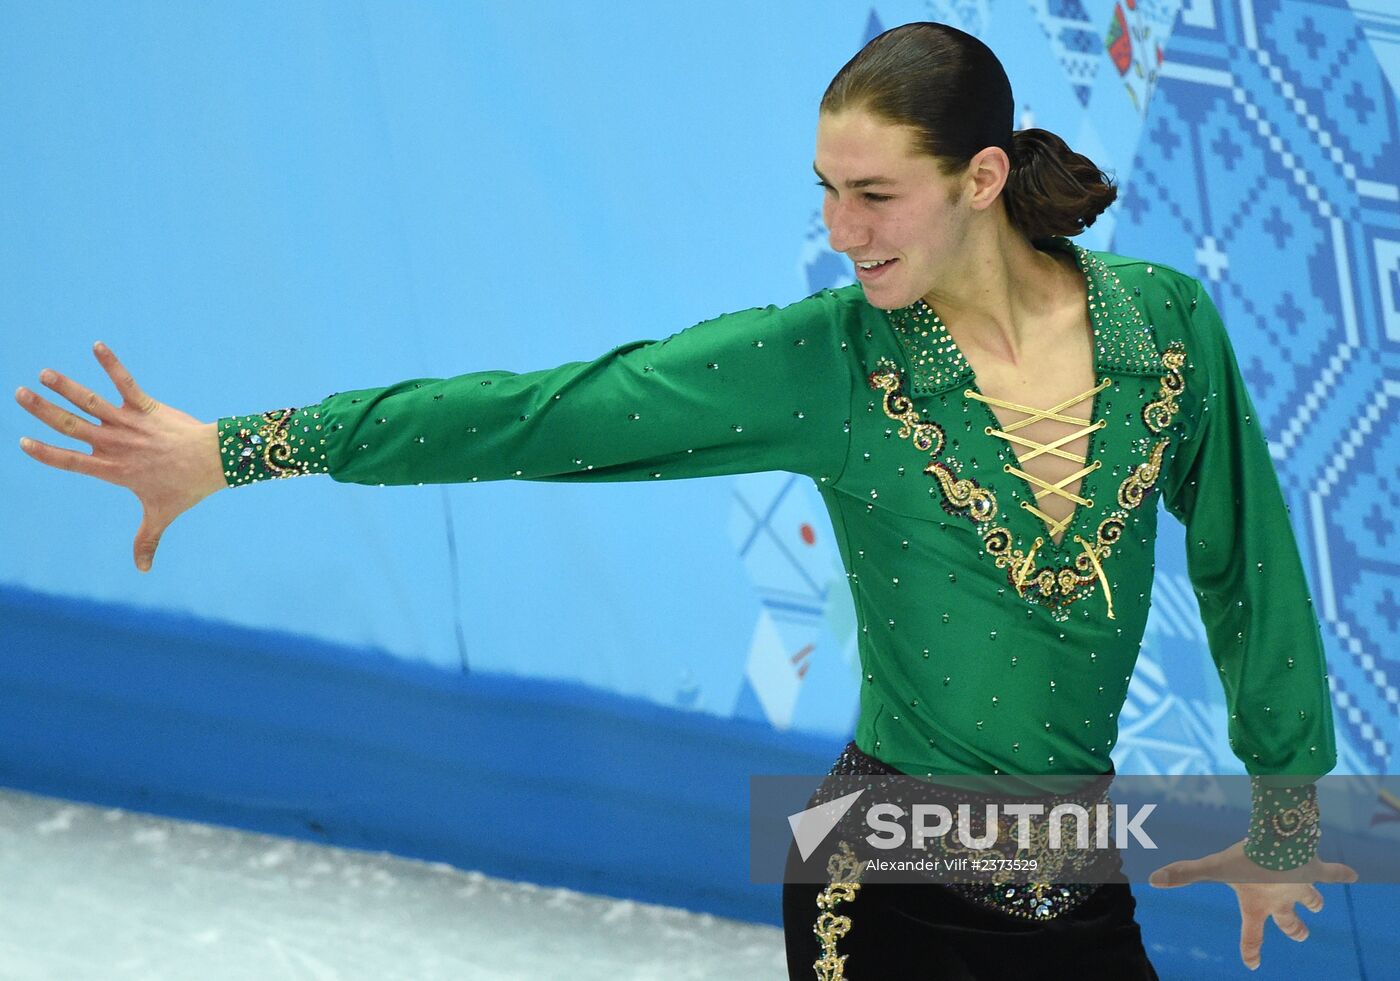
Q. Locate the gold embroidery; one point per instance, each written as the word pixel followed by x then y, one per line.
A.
pixel 1284 827
pixel 1054 588
pixel 844 868
pixel 1132 491
pixel 963 493
pixel 926 436
pixel 1293 821
pixel 1158 415
pixel 261 446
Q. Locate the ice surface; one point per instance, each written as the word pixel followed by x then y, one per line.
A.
pixel 92 892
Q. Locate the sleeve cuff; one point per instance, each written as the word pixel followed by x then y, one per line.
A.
pixel 281 443
pixel 1283 825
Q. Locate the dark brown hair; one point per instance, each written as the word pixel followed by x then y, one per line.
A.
pixel 951 89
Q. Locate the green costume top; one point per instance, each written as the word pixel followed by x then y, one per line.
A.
pixel 986 645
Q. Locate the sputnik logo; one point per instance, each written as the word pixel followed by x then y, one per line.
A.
pixel 810 827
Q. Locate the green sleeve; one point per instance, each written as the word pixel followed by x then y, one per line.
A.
pixel 762 389
pixel 1244 564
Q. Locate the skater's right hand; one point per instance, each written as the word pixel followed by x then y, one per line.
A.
pixel 1263 894
pixel 168 459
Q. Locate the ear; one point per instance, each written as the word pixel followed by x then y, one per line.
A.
pixel 986 175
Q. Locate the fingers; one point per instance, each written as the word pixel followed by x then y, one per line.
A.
pixel 65 459
pixel 1181 873
pixel 1336 872
pixel 1251 939
pixel 1314 900
pixel 60 420
pixel 143 549
pixel 1293 928
pixel 81 396
pixel 131 392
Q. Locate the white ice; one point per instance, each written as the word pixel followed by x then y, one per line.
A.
pixel 91 892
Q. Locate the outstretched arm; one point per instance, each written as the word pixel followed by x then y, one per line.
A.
pixel 762 389
pixel 168 459
pixel 767 388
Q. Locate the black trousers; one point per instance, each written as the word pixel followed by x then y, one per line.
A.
pixel 912 931
pixel 900 930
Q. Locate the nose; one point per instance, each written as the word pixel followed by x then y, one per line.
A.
pixel 844 230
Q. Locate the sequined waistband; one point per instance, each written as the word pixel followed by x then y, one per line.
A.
pixel 1036 900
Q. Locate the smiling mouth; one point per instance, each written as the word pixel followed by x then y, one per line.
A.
pixel 874 272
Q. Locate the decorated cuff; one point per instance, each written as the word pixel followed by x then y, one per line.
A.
pixel 280 443
pixel 1283 825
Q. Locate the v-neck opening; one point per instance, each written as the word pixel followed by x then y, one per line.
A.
pixel 1088 465
pixel 927 364
pixel 1087 484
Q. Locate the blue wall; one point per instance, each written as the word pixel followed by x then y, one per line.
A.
pixel 256 206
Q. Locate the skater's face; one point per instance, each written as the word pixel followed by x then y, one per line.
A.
pixel 902 207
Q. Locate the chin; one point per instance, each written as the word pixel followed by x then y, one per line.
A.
pixel 889 301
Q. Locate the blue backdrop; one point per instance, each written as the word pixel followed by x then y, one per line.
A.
pixel 257 206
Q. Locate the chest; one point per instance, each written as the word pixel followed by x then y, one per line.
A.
pixel 1039 470
pixel 1043 413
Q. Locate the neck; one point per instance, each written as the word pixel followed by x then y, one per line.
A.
pixel 1001 288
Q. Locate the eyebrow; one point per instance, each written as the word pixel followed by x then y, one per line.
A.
pixel 863 182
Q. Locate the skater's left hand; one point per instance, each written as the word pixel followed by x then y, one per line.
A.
pixel 1261 892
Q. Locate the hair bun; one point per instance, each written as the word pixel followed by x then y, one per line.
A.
pixel 1052 190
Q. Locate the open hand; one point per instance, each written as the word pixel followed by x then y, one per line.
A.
pixel 168 459
pixel 1261 893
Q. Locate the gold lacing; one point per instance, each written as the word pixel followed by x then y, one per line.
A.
pixel 1054 587
pixel 1098 570
pixel 1025 569
pixel 1057 526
